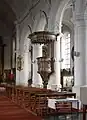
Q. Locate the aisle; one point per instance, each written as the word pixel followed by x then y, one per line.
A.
pixel 9 111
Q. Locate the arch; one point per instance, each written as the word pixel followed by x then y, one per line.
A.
pixel 60 13
pixel 69 25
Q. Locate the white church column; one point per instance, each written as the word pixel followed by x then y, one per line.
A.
pixel 79 60
pixel 20 79
pixel 27 68
pixel 80 65
pixel 37 52
pixel 17 53
pixel 57 63
pixel 80 26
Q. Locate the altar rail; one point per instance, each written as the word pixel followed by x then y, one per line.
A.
pixel 35 99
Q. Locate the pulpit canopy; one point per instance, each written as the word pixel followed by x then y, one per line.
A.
pixel 42 37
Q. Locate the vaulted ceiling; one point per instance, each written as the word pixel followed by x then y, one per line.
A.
pixel 11 10
pixel 7 15
pixel 19 6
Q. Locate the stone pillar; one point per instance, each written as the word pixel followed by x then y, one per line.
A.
pixel 17 53
pixel 20 80
pixel 55 79
pixel 57 63
pixel 80 26
pixel 37 52
pixel 80 42
pixel 79 61
pixel 26 68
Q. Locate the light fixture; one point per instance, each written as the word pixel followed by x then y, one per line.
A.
pixel 77 54
pixel 33 61
pixel 61 60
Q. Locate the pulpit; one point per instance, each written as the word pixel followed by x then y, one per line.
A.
pixel 45 63
pixel 44 69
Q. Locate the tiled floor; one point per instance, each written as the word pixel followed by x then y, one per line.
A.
pixel 65 117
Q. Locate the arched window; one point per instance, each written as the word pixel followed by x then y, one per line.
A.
pixel 65 51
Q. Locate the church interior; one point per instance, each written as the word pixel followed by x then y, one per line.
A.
pixel 43 68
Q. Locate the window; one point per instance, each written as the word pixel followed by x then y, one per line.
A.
pixel 65 51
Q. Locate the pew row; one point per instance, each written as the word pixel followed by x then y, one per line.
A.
pixel 36 99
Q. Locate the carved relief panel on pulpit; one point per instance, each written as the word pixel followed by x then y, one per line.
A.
pixel 48 50
pixel 45 51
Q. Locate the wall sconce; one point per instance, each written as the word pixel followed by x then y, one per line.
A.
pixel 33 61
pixel 77 54
pixel 61 60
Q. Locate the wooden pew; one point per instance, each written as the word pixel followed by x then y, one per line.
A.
pixel 40 104
pixel 34 99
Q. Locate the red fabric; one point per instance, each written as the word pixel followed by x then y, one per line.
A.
pixel 11 76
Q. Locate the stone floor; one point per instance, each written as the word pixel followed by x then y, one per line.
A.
pixel 65 117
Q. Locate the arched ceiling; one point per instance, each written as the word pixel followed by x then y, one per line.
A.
pixel 7 16
pixel 11 10
pixel 19 6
